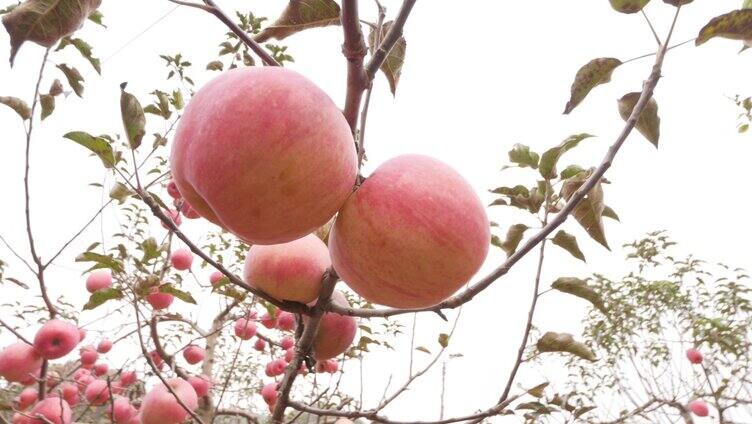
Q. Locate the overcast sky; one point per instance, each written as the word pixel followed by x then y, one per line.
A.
pixel 479 77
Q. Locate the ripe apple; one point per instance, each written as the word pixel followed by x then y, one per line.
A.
pixel 18 361
pixel 201 384
pixel 259 345
pixel 288 271
pixel 245 329
pixel 411 235
pixel 215 277
pixel 99 279
pixel 159 406
pixel 121 411
pixel 54 410
pixel 336 332
pixel 100 369
pixel 269 321
pixel 264 153
pixel 699 408
pixel 194 354
pixel 159 300
pixel 269 393
pixel 97 392
pixel 56 339
pixel 694 356
pixel 27 398
pixel 181 259
pixel 285 321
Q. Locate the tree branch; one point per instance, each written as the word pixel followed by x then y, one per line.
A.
pixel 354 49
pixel 391 38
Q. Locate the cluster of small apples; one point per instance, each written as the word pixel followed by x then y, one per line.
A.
pixel 698 406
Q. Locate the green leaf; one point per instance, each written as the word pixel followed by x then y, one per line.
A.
pixel 18 105
pixel 177 100
pixel 151 249
pixel 648 124
pixel 568 242
pixel 100 297
pixel 570 171
pixel 628 6
pixel 444 340
pixel 392 66
pixel 300 15
pixel 134 120
pixel 523 156
pixel 551 157
pixel 736 25
pixel 96 17
pixel 101 261
pixel 184 296
pixel 564 343
pixel 215 66
pixel 47 101
pixel 84 48
pixel 120 192
pixel 100 146
pixel 45 21
pixel 74 78
pixel 514 237
pixel 594 73
pixel 579 288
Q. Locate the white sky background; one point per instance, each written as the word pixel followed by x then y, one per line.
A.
pixel 479 77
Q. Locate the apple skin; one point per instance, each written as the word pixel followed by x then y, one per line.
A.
pixel 194 354
pixel 54 410
pixel 99 279
pixel 56 339
pixel 122 411
pixel 269 393
pixel 259 345
pixel 88 355
pixel 264 153
pixel 245 328
pixel 215 277
pixel 159 406
pixel 127 378
pixel 101 369
pixel 269 321
pixel 159 300
pixel 19 361
pixel 285 321
pixel 411 235
pixel 289 271
pixel 104 346
pixel 181 259
pixel 201 384
pixel 699 408
pixel 336 332
pixel 27 398
pixel 694 356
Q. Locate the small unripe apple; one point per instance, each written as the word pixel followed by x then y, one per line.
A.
pixel 99 279
pixel 194 354
pixel 56 339
pixel 181 259
pixel 201 384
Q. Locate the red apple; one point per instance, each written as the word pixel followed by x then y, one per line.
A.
pixel 694 356
pixel 215 277
pixel 104 346
pixel 699 408
pixel 181 259
pixel 201 384
pixel 285 321
pixel 159 406
pixel 259 345
pixel 99 279
pixel 54 410
pixel 127 378
pixel 121 411
pixel 411 235
pixel 245 329
pixel 336 332
pixel 19 361
pixel 159 300
pixel 269 321
pixel 269 393
pixel 97 392
pixel 264 153
pixel 27 398
pixel 101 369
pixel 56 339
pixel 88 355
pixel 287 342
pixel 193 354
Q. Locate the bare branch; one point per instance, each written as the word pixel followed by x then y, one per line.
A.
pixel 354 49
pixel 391 38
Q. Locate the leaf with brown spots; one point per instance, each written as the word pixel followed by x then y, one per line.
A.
pixel 628 6
pixel 736 25
pixel 392 66
pixel 678 3
pixel 596 72
pixel 18 105
pixel 649 123
pixel 301 15
pixel 45 21
pixel 564 343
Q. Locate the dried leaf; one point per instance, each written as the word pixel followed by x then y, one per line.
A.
pixel 564 343
pixel 56 88
pixel 120 192
pixel 215 66
pixel 84 48
pixel 579 288
pixel 628 6
pixel 300 15
pixel 537 391
pixel 568 242
pixel 589 213
pixel 18 105
pixel 47 101
pixel 609 213
pixel 45 21
pixel 649 123
pixel 444 340
pixel 134 120
pixel 392 66
pixel 594 73
pixel 514 237
pixel 736 25
pixel 74 79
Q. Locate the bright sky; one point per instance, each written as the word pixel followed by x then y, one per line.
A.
pixel 479 77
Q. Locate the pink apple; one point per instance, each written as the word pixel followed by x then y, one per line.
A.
pixel 69 391
pixel 411 235
pixel 121 411
pixel 19 361
pixel 276 367
pixel 54 410
pixel 289 354
pixel 216 277
pixel 699 408
pixel 336 332
pixel 159 406
pixel 27 398
pixel 287 342
pixel 259 345
pixel 193 354
pixel 245 329
pixel 88 355
pixel 694 356
pixel 285 321
pixel 174 216
pixel 269 393
pixel 81 335
pixel 99 279
pixel 201 384
pixel 275 165
pixel 56 339
pixel 159 300
pixel 269 321
pixel 53 378
pixel 181 259
pixel 289 271
pixel 127 378
pixel 104 346
pixel 100 369
pixel 189 212
pixel 331 366
pixel 172 190
pixel 97 392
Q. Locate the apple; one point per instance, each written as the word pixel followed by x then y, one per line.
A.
pixel 127 378
pixel 193 354
pixel 121 411
pixel 159 300
pixel 264 153
pixel 276 367
pixel 99 279
pixel 56 339
pixel 104 346
pixel 201 384
pixel 97 393
pixel 269 321
pixel 27 398
pixel 699 408
pixel 336 332
pixel 19 361
pixel 215 277
pixel 411 235
pixel 159 406
pixel 245 329
pixel 54 411
pixel 181 259
pixel 172 190
pixel 100 369
pixel 174 216
pixel 88 355
pixel 81 335
pixel 269 393
pixel 694 356
pixel 285 321
pixel 259 345
pixel 287 342
pixel 289 271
